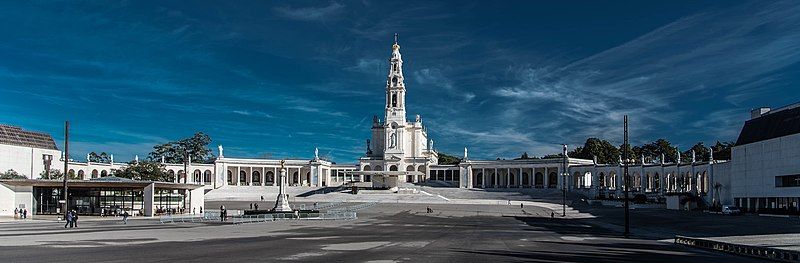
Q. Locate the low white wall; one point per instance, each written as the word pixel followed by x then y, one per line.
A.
pixel 7 200
pixel 197 199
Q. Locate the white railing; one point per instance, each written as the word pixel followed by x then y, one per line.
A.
pixel 288 216
pixel 353 208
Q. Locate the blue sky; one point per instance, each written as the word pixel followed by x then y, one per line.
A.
pixel 278 79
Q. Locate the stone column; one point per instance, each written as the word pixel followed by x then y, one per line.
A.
pixel 519 178
pixel 471 180
pixel 274 176
pixel 238 173
pixel 483 177
pixel 495 178
pixel 508 177
pixel 546 183
pixel 250 178
pixel 148 201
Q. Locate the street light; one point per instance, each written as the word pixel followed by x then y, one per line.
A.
pixel 47 159
pixel 626 181
pixel 564 189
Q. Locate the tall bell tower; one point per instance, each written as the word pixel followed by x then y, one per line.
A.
pixel 394 126
pixel 395 88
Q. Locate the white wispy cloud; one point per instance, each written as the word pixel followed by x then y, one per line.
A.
pixel 252 113
pixel 435 78
pixel 659 79
pixel 369 65
pixel 311 13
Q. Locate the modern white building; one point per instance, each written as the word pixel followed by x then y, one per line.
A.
pixel 765 171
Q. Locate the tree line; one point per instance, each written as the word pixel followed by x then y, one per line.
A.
pixel 608 153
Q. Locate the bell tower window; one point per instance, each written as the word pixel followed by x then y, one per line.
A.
pixel 394 100
pixel 394 80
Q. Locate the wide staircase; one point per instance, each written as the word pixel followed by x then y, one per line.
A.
pixel 253 193
pixel 518 194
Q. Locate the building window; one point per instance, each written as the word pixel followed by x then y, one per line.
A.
pixel 787 181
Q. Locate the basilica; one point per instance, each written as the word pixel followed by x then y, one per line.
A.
pixel 399 152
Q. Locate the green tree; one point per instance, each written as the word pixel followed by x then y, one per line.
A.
pixel 144 171
pixel 653 151
pixel 602 149
pixel 447 159
pixel 56 174
pixel 630 151
pixel 11 174
pixel 175 152
pixel 553 155
pixel 103 157
pixel 722 150
pixel 701 153
pixel 525 156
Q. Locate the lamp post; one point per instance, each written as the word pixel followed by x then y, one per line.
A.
pixel 66 166
pixel 625 175
pixel 564 189
pixel 47 159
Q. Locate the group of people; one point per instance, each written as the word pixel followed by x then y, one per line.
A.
pixel 253 205
pixel 72 219
pixel 429 210
pixel 21 213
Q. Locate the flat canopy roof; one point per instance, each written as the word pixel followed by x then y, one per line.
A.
pixel 91 183
pixel 389 173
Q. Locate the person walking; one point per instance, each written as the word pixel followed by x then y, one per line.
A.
pixel 251 206
pixel 125 217
pixel 25 213
pixel 262 198
pixel 256 206
pixel 68 218
pixel 75 218
pixel 552 214
pixel 521 205
pixel 201 210
pixel 16 213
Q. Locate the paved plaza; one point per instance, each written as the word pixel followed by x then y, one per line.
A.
pixel 382 233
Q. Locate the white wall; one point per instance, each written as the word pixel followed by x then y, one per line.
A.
pixel 13 197
pixel 754 167
pixel 26 160
pixel 7 200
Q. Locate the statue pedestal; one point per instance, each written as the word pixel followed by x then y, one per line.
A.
pixel 282 203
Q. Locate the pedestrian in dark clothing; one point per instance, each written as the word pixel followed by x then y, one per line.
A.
pixel 75 218
pixel 552 214
pixel 25 213
pixel 125 217
pixel 262 198
pixel 68 218
pixel 251 206
pixel 520 205
pixel 256 206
